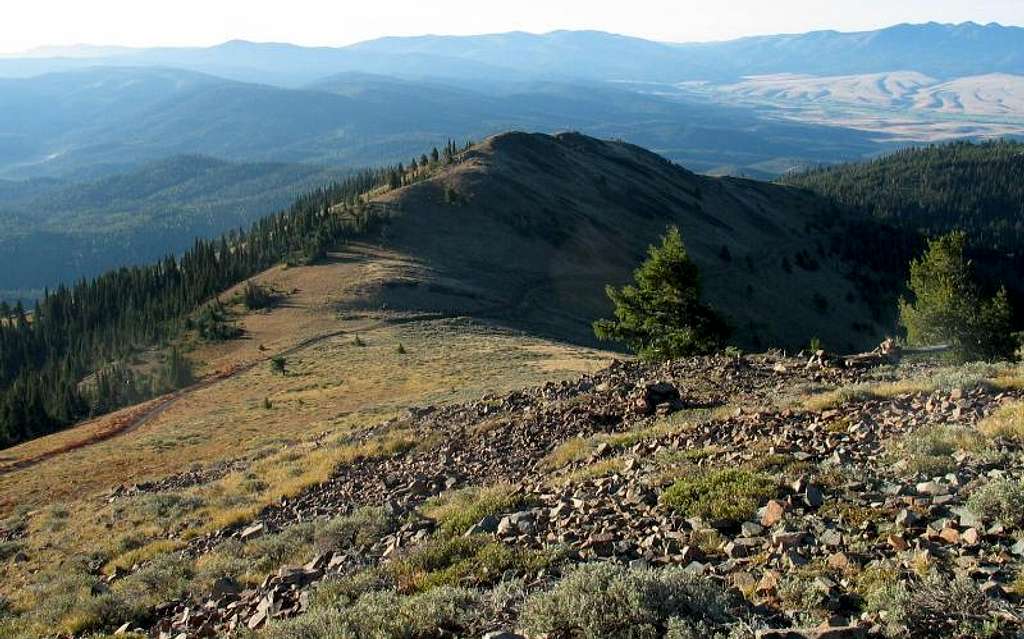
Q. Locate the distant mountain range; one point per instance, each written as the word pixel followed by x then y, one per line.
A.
pixel 943 51
pixel 92 118
pixel 102 120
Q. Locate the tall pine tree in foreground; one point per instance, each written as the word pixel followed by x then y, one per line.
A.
pixel 661 316
pixel 949 308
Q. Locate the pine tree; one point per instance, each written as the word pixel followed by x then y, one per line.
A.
pixel 948 307
pixel 661 315
pixel 279 365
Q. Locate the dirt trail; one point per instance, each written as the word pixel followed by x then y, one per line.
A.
pixel 135 417
pixel 139 415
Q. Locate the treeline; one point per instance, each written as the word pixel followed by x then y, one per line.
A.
pixel 54 231
pixel 975 188
pixel 64 361
pixel 88 328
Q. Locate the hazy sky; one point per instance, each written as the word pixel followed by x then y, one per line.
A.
pixel 29 23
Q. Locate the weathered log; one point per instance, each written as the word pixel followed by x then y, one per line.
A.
pixel 888 352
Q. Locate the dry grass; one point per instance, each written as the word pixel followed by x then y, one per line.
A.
pixel 143 554
pixel 457 511
pixel 1006 423
pixel 596 470
pixel 332 392
pixel 579 449
pixel 1000 377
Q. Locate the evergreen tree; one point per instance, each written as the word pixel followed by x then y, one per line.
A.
pixel 279 365
pixel 661 315
pixel 177 371
pixel 948 307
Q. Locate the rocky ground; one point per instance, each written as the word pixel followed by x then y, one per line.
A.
pixel 868 488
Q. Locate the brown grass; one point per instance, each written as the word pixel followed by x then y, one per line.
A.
pixel 1005 423
pixel 1000 377
pixel 333 391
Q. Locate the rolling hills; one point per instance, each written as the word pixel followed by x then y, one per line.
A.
pixel 523 230
pixel 60 230
pixel 539 225
pixel 101 121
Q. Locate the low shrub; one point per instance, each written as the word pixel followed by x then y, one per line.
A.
pixel 388 615
pixel 929 450
pixel 361 528
pixel 729 495
pixel 606 601
pixel 999 500
pixel 941 607
pixel 457 511
pixel 465 561
pixel 10 548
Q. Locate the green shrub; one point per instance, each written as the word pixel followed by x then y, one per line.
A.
pixel 164 506
pixel 801 592
pixel 164 578
pixel 226 561
pixel 388 615
pixel 106 612
pixel 726 495
pixel 362 527
pixel 342 592
pixel 256 297
pixel 457 511
pixel 606 601
pixel 464 561
pixel 999 500
pixel 929 450
pixel 941 607
pixel 10 548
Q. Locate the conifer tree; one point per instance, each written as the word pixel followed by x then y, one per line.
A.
pixel 948 307
pixel 661 316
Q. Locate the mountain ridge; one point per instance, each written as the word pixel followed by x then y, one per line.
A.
pixel 943 50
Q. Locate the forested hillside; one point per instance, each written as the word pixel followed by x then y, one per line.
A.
pixel 978 188
pixel 56 231
pixel 88 328
pixel 974 187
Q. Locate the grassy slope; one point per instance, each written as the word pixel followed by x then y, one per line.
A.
pixel 540 224
pixel 334 390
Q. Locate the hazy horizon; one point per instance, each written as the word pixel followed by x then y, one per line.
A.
pixel 188 23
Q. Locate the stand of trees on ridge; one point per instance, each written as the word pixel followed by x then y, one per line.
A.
pixel 660 316
pixel 63 362
pixel 961 186
pixel 977 188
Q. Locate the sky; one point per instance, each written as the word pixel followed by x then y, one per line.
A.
pixel 26 24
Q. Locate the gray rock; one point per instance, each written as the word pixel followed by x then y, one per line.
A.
pixel 932 488
pixel 751 529
pixel 907 518
pixel 252 532
pixel 813 496
pixel 488 524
